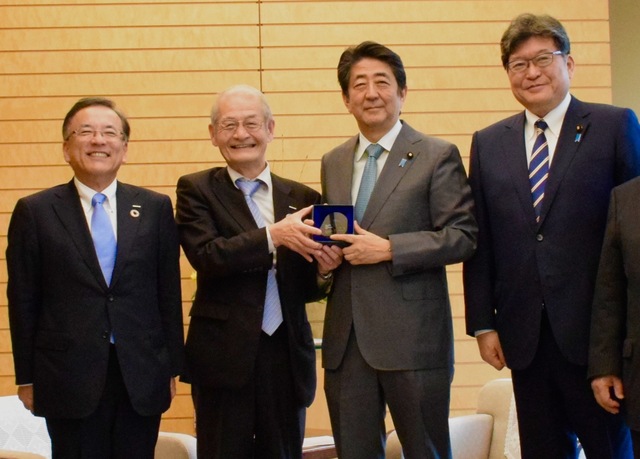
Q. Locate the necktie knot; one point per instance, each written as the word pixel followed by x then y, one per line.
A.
pixel 98 198
pixel 374 150
pixel 248 187
pixel 541 125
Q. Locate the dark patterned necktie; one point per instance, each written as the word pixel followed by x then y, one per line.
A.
pixel 539 167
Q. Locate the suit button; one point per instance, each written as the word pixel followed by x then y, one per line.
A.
pixel 105 335
pixel 110 298
pixel 539 237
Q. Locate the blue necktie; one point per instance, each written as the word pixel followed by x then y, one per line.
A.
pixel 539 167
pixel 369 177
pixel 272 317
pixel 104 239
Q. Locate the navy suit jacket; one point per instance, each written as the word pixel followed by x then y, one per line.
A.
pixel 62 312
pixel 521 266
pixel 231 257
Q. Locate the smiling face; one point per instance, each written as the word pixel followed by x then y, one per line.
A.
pixel 95 158
pixel 242 133
pixel 374 98
pixel 540 90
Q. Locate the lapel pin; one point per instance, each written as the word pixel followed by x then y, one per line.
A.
pixel 403 161
pixel 579 130
pixel 135 213
pixel 292 208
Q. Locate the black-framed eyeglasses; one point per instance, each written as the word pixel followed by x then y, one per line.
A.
pixel 541 60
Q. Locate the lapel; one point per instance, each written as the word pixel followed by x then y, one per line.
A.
pixel 283 203
pixel 231 198
pixel 407 142
pixel 342 176
pixel 69 210
pixel 513 156
pixel 131 212
pixel 566 150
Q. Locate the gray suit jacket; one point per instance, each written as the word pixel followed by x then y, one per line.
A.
pixel 400 309
pixel 615 324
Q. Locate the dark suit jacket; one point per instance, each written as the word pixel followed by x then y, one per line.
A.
pixel 615 323
pixel 231 257
pixel 520 264
pixel 400 310
pixel 61 311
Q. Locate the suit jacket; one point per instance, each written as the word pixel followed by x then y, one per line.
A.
pixel 62 312
pixel 615 324
pixel 400 310
pixel 231 257
pixel 522 266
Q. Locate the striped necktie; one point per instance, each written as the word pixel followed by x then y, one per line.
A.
pixel 539 167
pixel 272 316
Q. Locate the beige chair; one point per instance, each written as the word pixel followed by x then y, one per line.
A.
pixel 475 436
pixel 25 436
pixel 175 446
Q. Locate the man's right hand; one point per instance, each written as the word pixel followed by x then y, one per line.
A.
pixel 491 350
pixel 25 394
pixel 294 234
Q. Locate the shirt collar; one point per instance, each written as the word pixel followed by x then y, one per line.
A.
pixel 386 141
pixel 264 176
pixel 553 119
pixel 86 193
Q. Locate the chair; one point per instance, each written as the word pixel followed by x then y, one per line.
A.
pixel 475 436
pixel 176 446
pixel 21 431
pixel 25 436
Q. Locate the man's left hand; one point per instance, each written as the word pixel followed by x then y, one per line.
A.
pixel 364 248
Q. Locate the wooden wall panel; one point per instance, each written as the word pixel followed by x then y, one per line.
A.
pixel 164 61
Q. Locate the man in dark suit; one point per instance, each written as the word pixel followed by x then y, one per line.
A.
pixel 97 331
pixel 541 181
pixel 388 332
pixel 251 382
pixel 615 319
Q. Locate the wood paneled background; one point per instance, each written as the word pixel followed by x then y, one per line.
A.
pixel 163 62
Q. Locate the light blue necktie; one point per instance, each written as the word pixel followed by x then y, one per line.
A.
pixel 369 177
pixel 539 167
pixel 104 239
pixel 272 317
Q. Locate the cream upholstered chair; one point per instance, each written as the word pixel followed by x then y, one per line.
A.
pixel 475 436
pixel 25 436
pixel 176 446
pixel 21 431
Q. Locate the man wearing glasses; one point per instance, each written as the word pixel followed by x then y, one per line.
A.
pixel 94 297
pixel 541 181
pixel 250 352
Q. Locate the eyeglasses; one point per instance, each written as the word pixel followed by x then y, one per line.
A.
pixel 541 60
pixel 230 126
pixel 87 133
